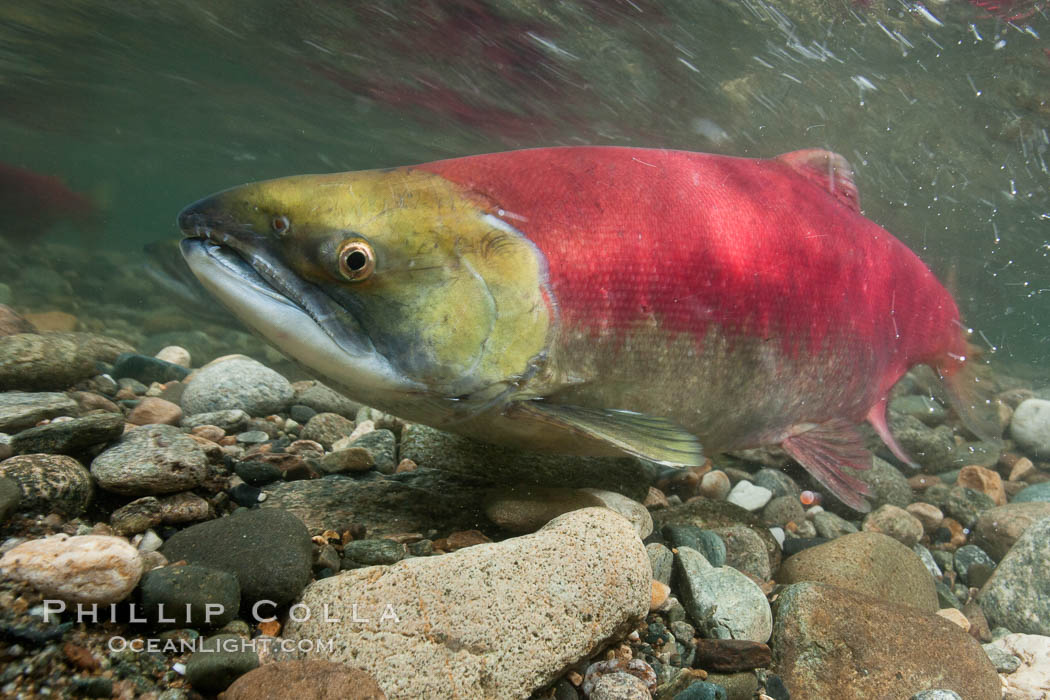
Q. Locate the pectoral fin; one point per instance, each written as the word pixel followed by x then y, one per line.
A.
pixel 649 437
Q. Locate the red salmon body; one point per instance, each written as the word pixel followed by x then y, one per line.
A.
pixel 760 277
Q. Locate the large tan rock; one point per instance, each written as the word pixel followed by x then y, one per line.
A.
pixel 492 620
pixel 829 642
pixel 84 569
pixel 867 562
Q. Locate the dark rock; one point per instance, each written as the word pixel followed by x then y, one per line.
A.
pixel 383 446
pixel 823 635
pixel 39 362
pixel 300 414
pixel 91 687
pixel 257 472
pixel 20 410
pixel 973 565
pixel 50 483
pixel 520 509
pixel 268 550
pixel 731 655
pixel 717 516
pixel 783 510
pixel 187 596
pixel 372 552
pixel 221 660
pixel 10 498
pixel 146 369
pixel 778 482
pixel 708 543
pixel 965 505
pixel 435 449
pixel 416 501
pixel 70 437
pixel 245 495
pixel 702 690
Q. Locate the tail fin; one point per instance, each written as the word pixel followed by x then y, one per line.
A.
pixel 970 390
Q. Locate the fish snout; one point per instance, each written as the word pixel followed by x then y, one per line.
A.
pixel 201 218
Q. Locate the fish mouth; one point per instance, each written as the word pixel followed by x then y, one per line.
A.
pixel 239 268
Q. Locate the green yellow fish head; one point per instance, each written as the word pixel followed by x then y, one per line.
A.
pixel 389 283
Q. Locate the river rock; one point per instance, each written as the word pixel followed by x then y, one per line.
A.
pixel 298 680
pixel 220 661
pixel 155 411
pixel 151 460
pixel 50 483
pixel 521 510
pixel 829 642
pixel 237 382
pixel 869 563
pixel 382 444
pixel 748 496
pixel 998 528
pixel 269 551
pixel 39 362
pixel 628 508
pixel 383 504
pixel 176 355
pixel 718 516
pixel 20 410
pixel 232 421
pixel 436 449
pixel 190 596
pixel 11 323
pixel 146 369
pixel 1017 596
pixel 1034 493
pixel 70 437
pixel 724 603
pixel 326 428
pixel 313 394
pixel 137 516
pixel 10 498
pixel 500 619
pixel 896 523
pixel 84 569
pixel 1030 427
pixel 1031 679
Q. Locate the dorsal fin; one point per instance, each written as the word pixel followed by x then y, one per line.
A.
pixel 827 170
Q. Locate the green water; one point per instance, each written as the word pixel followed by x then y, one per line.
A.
pixel 944 110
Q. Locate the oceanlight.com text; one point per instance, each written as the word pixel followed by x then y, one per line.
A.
pixel 231 644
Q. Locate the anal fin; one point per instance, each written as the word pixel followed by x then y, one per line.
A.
pixel 877 419
pixel 649 437
pixel 829 451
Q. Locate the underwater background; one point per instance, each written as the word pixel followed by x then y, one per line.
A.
pixel 942 108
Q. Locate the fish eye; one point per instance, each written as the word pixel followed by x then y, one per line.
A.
pixel 280 224
pixel 357 260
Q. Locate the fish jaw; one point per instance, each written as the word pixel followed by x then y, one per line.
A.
pixel 284 324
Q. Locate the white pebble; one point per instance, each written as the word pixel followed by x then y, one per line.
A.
pixel 749 496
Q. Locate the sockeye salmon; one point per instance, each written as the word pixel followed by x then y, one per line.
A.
pixel 597 300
